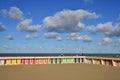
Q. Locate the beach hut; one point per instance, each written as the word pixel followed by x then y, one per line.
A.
pixel 29 61
pixel 14 62
pixel 2 62
pixel 33 61
pixel 116 63
pixel 79 61
pixel 89 61
pixel 23 61
pixel 40 61
pixel 107 62
pixel 96 61
pixel 37 61
pixel 18 61
pixel 51 60
pixel 70 60
pixel 82 60
pixel 75 60
pixel 8 62
pixel 43 61
pixel 64 60
pixel 54 60
pixel 46 61
pixel 58 60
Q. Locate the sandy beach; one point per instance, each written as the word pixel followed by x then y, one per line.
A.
pixel 59 72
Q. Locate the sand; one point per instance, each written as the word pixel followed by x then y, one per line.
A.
pixel 59 72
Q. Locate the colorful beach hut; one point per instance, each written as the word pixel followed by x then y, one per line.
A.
pixel 96 61
pixel 8 62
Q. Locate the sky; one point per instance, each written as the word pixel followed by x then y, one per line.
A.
pixel 60 26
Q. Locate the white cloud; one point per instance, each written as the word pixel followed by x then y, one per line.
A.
pixel 86 38
pixel 2 27
pixel 51 35
pixel 77 36
pixel 58 38
pixel 6 47
pixel 15 13
pixel 25 25
pixel 28 36
pixel 105 40
pixel 67 20
pixel 10 37
pixel 108 29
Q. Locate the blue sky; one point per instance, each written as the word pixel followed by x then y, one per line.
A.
pixel 59 26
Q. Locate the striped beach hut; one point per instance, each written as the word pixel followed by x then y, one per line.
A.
pixel 107 62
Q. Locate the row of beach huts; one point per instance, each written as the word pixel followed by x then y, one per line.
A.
pixel 30 60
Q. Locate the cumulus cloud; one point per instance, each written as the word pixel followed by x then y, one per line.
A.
pixel 15 13
pixel 25 25
pixel 10 37
pixel 2 27
pixel 28 36
pixel 105 40
pixel 58 38
pixel 108 29
pixel 67 20
pixel 51 35
pixel 77 36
